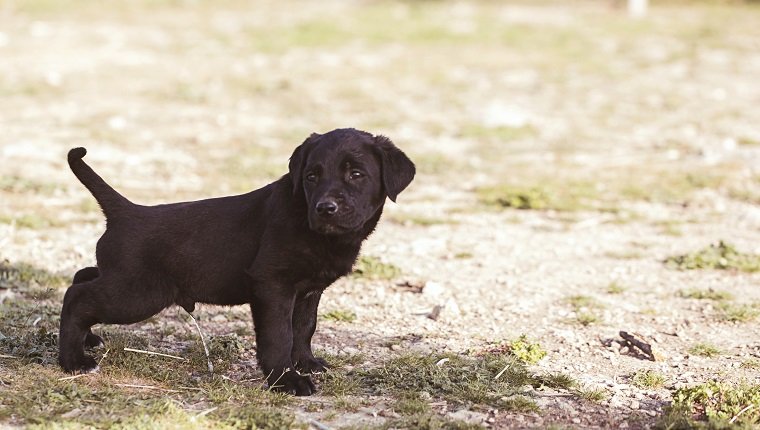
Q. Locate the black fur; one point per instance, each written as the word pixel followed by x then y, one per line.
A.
pixel 276 248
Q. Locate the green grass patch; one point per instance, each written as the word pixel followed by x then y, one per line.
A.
pixel 709 294
pixel 737 313
pixel 372 268
pixel 558 381
pixel 714 405
pixel 20 185
pixel 585 308
pixel 615 288
pixel 458 379
pixel 721 256
pixel 649 379
pixel 499 134
pixel 340 315
pixel 428 421
pixel 704 350
pixel 25 277
pixel 595 395
pixel 581 301
pixel 419 220
pixel 571 196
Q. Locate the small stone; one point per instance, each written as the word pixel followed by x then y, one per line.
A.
pixel 432 288
pixel 395 347
pixel 349 350
pixel 635 404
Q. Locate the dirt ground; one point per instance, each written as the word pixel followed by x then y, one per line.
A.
pixel 641 135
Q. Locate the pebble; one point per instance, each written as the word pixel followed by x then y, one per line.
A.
pixel 635 404
pixel 432 288
pixel 349 350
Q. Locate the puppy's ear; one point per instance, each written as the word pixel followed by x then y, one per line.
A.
pixel 298 159
pixel 398 170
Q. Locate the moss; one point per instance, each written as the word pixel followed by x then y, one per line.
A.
pixel 720 256
pixel 527 352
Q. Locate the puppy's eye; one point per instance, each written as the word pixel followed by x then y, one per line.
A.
pixel 355 174
pixel 311 177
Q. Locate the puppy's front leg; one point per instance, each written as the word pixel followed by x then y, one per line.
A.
pixel 272 316
pixel 304 324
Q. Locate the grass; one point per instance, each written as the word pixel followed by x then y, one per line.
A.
pixel 714 405
pixel 648 379
pixel 373 268
pixel 521 348
pixel 558 381
pixel 457 379
pixel 585 308
pixel 737 313
pixel 24 277
pixel 596 395
pixel 340 316
pixel 546 196
pixel 721 256
pixel 709 294
pixel 420 220
pixel 615 288
pixel 704 350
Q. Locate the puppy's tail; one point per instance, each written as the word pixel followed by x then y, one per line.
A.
pixel 110 200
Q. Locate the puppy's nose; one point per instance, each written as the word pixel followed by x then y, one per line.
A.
pixel 327 207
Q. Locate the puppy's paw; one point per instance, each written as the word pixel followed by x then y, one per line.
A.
pixel 292 382
pixel 312 365
pixel 93 341
pixel 83 364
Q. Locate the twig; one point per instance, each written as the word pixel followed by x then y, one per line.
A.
pixel 498 375
pixel 206 412
pixel 148 387
pixel 318 425
pixel 642 346
pixel 105 354
pixel 203 341
pixel 190 388
pixel 746 408
pixel 7 356
pixel 274 384
pixel 69 378
pixel 154 353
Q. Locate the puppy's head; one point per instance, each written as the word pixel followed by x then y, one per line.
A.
pixel 345 176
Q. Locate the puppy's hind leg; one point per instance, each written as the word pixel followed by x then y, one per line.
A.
pixel 84 275
pixel 103 300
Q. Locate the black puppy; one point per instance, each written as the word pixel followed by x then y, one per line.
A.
pixel 276 248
